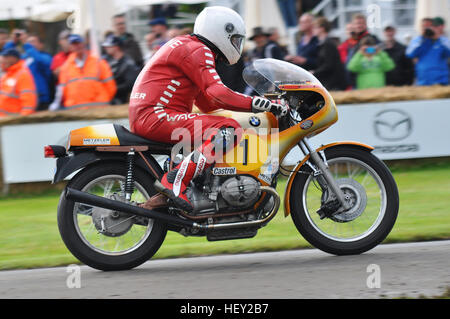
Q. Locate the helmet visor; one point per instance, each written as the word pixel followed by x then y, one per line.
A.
pixel 238 42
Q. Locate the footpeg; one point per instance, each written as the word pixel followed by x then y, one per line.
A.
pixel 179 203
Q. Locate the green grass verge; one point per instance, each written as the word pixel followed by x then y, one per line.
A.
pixel 29 235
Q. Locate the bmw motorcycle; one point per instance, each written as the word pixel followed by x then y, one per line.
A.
pixel 342 199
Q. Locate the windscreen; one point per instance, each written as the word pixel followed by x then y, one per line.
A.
pixel 265 75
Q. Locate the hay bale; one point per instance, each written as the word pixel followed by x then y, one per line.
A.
pixel 107 112
pixel 391 94
pixel 386 94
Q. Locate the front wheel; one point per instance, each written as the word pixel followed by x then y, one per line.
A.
pixel 369 188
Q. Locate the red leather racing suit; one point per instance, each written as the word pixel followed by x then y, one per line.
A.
pixel 180 74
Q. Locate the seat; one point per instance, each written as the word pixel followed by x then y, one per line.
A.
pixel 126 138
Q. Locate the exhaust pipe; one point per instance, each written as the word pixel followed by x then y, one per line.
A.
pixel 94 200
pixel 251 223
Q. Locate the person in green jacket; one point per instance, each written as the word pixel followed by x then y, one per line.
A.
pixel 370 64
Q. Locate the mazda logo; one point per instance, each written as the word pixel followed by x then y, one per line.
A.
pixel 392 125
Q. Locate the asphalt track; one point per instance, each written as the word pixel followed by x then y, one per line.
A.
pixel 411 270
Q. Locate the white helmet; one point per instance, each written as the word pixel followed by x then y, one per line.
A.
pixel 224 28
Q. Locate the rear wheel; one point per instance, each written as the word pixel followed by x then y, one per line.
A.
pixel 106 239
pixel 368 187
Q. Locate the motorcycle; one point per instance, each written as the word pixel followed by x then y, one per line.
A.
pixel 342 199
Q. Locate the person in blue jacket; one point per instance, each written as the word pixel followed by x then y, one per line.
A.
pixel 431 50
pixel 307 48
pixel 38 62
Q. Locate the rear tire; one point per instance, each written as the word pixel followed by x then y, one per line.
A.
pixel 346 246
pixel 80 246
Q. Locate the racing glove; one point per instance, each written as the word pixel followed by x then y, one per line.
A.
pixel 278 107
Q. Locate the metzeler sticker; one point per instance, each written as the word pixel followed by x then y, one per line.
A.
pixel 224 171
pixel 306 124
pixel 96 141
pixel 265 178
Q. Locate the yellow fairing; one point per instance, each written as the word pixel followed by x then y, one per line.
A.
pixel 287 193
pixel 317 123
pixel 259 149
pixel 95 135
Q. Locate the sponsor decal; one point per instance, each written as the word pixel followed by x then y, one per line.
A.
pixel 175 43
pixel 265 178
pixel 272 167
pixel 180 175
pixel 224 171
pixel 96 141
pixel 401 148
pixel 306 124
pixel 270 170
pixel 137 95
pixel 182 117
pixel 392 125
pixel 200 165
pixel 255 121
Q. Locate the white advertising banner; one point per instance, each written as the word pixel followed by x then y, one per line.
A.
pixel 397 130
pixel 23 148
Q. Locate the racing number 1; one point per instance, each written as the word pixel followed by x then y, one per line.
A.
pixel 244 145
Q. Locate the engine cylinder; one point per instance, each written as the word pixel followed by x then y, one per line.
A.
pixel 241 191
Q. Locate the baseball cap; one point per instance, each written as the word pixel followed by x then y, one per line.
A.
pixel 438 21
pixel 388 26
pixel 75 38
pixel 65 34
pixel 158 21
pixel 112 41
pixel 11 52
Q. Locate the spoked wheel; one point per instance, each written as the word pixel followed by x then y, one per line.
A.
pixel 106 239
pixel 368 188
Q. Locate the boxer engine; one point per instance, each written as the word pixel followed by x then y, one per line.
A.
pixel 224 194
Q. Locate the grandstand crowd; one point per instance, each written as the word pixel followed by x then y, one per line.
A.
pixel 75 78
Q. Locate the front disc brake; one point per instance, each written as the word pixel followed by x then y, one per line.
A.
pixel 354 194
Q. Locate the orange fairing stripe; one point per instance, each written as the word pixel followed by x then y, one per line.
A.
pixel 295 87
pixel 287 206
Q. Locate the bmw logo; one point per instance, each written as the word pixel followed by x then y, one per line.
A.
pixel 254 121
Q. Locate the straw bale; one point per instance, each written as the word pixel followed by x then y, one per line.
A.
pixel 386 94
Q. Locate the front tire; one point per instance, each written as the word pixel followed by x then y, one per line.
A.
pixel 365 226
pixel 133 245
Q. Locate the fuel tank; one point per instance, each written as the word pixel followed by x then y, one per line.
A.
pixel 250 120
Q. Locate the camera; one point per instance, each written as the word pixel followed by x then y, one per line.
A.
pixel 428 33
pixel 371 50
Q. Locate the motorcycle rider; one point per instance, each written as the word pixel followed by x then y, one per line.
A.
pixel 181 73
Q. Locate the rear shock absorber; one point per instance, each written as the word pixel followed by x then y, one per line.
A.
pixel 129 181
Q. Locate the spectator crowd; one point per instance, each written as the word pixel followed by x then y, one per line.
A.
pixel 33 80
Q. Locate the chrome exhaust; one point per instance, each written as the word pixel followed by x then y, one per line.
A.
pixel 94 200
pixel 258 222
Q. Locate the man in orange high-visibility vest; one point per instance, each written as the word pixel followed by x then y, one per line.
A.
pixel 17 89
pixel 86 80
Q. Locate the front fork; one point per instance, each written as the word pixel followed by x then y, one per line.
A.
pixel 321 169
